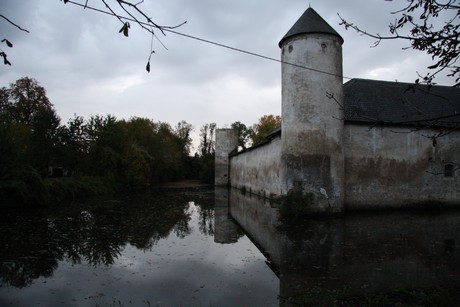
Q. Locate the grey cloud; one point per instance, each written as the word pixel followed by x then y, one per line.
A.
pixel 81 59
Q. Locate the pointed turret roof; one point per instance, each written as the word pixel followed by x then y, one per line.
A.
pixel 310 22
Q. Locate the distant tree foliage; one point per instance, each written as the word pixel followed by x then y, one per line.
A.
pixel 244 134
pixel 419 23
pixel 131 155
pixel 182 131
pixel 30 125
pixel 23 100
pixel 207 132
pixel 206 153
pixel 264 127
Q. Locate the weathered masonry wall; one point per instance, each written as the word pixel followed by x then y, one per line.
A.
pixel 326 147
pixel 312 149
pixel 397 167
pixel 226 142
pixel 258 169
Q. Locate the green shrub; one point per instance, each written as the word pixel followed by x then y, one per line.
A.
pixel 69 189
pixel 27 188
pixel 24 187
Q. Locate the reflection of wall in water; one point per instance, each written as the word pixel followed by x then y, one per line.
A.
pixel 366 252
pixel 225 229
pixel 258 219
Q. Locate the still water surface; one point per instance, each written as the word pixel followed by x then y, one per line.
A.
pixel 222 248
pixel 161 251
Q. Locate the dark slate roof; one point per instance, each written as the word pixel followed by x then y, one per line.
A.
pixel 386 102
pixel 310 22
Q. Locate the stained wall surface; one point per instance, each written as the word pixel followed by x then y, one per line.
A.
pixel 258 170
pixel 399 167
pixel 312 150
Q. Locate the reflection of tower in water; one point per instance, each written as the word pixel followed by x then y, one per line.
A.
pixel 225 230
pixel 355 254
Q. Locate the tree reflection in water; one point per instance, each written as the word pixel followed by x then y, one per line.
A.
pixel 151 247
pixel 33 242
pixel 26 252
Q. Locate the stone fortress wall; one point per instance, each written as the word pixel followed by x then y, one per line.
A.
pixel 327 148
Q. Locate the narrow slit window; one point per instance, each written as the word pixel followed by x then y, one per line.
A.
pixel 449 170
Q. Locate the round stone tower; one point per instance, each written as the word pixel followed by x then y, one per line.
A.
pixel 312 116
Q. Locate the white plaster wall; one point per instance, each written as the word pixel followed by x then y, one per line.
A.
pixel 258 170
pixel 398 167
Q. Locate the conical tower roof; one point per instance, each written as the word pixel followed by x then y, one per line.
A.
pixel 310 22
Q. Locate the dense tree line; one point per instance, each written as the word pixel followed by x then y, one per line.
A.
pixel 44 161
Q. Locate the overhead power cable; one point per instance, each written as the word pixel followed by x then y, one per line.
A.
pixel 208 41
pixel 256 54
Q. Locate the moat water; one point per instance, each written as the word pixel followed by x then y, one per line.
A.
pixel 214 248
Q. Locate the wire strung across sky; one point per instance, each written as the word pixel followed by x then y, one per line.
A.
pixel 206 41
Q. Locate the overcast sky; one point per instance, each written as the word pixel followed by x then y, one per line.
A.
pixel 88 68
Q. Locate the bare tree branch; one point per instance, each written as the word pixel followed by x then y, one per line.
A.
pixel 441 43
pixel 133 12
pixel 8 43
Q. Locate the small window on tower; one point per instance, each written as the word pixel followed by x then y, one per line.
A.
pixel 449 170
